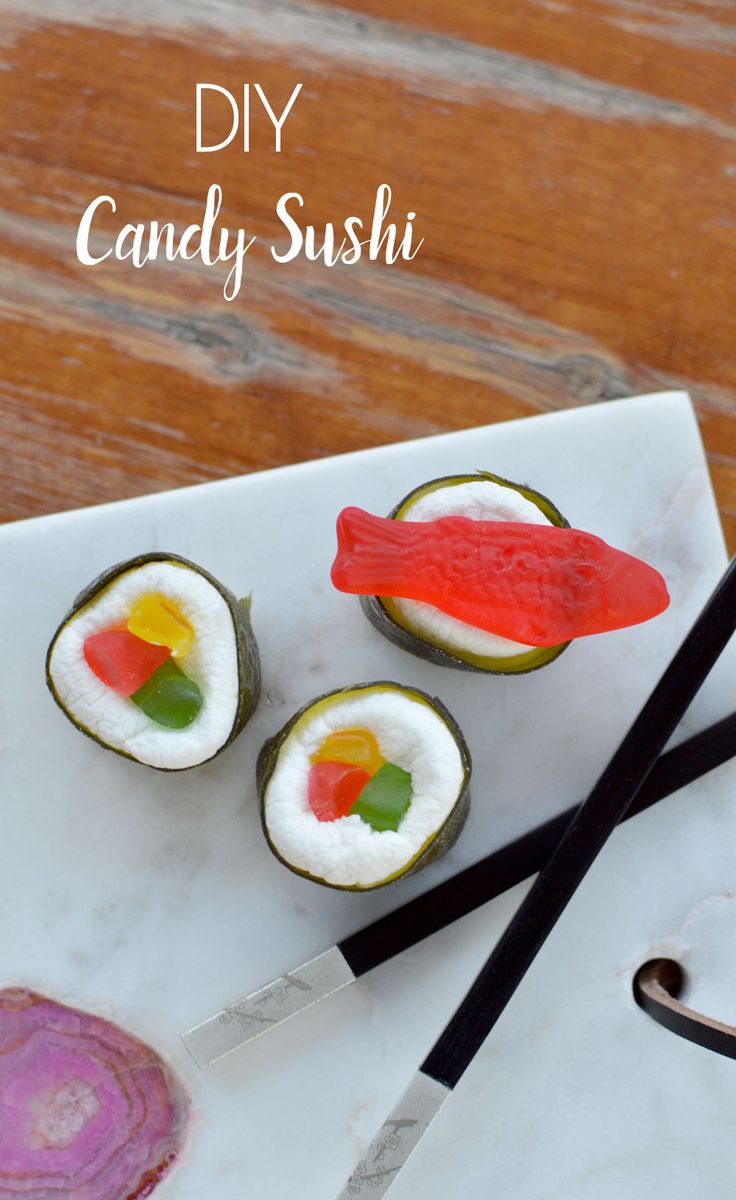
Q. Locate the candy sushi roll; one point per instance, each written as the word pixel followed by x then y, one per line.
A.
pixel 475 572
pixel 364 785
pixel 157 661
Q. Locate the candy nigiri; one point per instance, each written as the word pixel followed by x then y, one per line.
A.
pixel 449 629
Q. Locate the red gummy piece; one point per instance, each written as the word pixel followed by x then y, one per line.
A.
pixel 123 661
pixel 333 789
pixel 535 584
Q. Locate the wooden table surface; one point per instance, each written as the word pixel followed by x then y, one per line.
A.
pixel 572 165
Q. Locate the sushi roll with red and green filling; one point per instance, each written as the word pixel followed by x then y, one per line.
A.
pixel 364 785
pixel 475 572
pixel 157 661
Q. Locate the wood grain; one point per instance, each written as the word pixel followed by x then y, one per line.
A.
pixel 574 172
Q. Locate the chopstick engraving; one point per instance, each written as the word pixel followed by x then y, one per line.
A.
pixel 397 1137
pixel 270 1005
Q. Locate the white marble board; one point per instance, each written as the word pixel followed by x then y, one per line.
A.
pixel 152 899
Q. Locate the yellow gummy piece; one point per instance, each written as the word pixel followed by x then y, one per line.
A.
pixel 355 746
pixel 156 619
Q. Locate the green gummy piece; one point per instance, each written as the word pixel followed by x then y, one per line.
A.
pixel 385 798
pixel 169 698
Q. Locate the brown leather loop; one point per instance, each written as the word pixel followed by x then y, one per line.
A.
pixel 657 986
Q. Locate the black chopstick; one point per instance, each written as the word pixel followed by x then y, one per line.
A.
pixel 440 906
pixel 548 896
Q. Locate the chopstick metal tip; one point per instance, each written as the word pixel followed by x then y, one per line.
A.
pixel 268 1007
pixel 397 1138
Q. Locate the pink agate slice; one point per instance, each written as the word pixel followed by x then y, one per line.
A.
pixel 87 1112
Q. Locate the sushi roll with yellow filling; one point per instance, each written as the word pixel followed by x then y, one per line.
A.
pixel 475 572
pixel 157 661
pixel 364 785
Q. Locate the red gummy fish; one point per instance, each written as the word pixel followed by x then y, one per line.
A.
pixel 535 584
